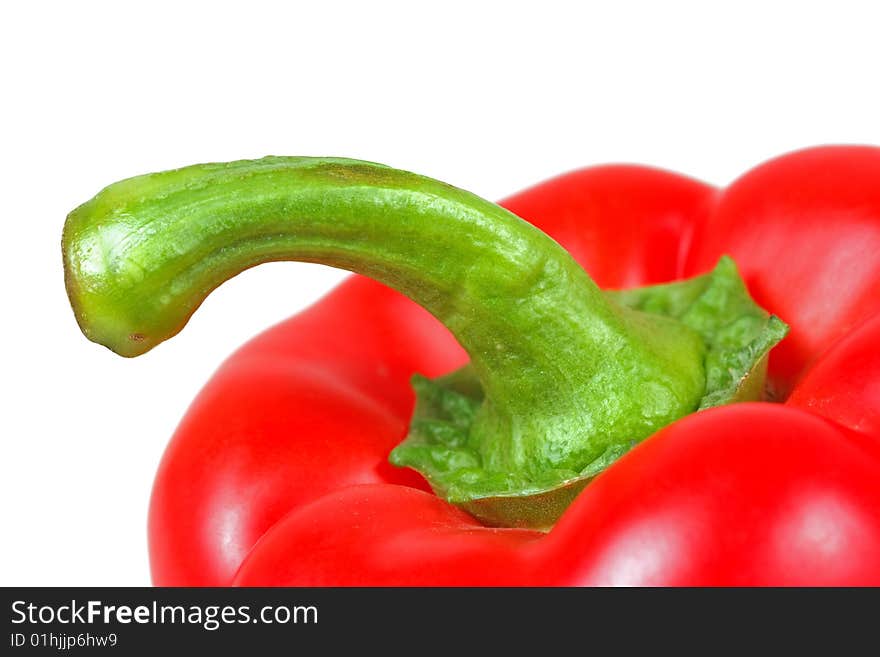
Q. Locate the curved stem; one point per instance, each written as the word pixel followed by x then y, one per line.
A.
pixel 563 368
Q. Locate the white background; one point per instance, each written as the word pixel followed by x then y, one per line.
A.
pixel 491 97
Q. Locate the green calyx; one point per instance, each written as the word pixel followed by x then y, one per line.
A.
pixel 737 336
pixel 563 378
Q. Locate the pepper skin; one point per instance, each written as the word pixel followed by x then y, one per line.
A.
pixel 278 473
pixel 790 501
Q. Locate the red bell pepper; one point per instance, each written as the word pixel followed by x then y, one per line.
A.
pixel 279 472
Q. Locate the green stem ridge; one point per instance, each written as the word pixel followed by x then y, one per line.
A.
pixel 566 373
pixel 738 336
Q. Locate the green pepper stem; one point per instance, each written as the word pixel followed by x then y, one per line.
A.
pixel 564 369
